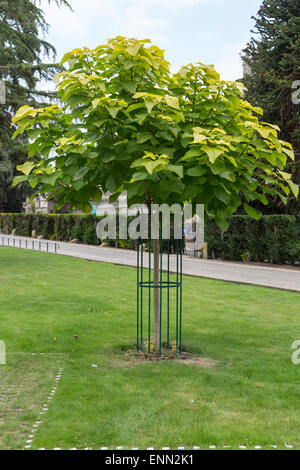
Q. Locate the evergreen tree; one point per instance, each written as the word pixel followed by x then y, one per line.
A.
pixel 273 55
pixel 21 67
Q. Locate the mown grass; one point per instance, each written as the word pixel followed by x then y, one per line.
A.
pixel 250 398
pixel 25 383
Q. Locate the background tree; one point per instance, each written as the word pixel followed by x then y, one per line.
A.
pixel 273 55
pixel 127 124
pixel 21 68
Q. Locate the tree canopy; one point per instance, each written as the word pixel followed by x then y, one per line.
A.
pixel 127 124
pixel 21 67
pixel 273 55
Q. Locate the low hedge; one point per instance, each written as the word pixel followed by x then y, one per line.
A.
pixel 64 227
pixel 60 227
pixel 273 239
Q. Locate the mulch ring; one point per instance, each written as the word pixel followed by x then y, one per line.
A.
pixel 170 354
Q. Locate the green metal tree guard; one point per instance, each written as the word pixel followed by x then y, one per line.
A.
pixel 170 295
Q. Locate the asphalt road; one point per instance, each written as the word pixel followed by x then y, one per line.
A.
pixel 287 278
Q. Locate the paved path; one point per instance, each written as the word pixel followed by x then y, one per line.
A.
pixel 287 278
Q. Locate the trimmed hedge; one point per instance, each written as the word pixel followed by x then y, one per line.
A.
pixel 60 227
pixel 273 239
pixel 63 227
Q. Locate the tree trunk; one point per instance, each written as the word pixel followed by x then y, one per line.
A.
pixel 156 296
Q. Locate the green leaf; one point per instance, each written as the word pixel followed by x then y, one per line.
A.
pixel 197 171
pixel 198 135
pixel 34 133
pixel 228 175
pixel 17 132
pixel 264 132
pixel 84 80
pixel 222 195
pixel 19 179
pixel 113 110
pixel 26 168
pixel 96 102
pixel 82 172
pixel 149 104
pixel 286 176
pixel 222 221
pixel 140 175
pixel 252 212
pixel 75 100
pixel 130 86
pixel 172 101
pixel 290 153
pixel 111 183
pixel 51 179
pixel 24 111
pixel 217 167
pixel 133 50
pixel 178 169
pixel 101 85
pixel 212 152
pixel 135 106
pixel 171 186
pixel 294 188
pixel 193 152
pixel 150 165
pixel 97 196
pixel 232 160
pixel 45 149
pixel 142 137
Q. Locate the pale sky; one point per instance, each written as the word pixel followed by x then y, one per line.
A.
pixel 209 31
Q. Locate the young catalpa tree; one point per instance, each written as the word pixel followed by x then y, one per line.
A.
pixel 127 124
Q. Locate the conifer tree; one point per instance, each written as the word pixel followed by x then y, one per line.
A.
pixel 273 55
pixel 21 67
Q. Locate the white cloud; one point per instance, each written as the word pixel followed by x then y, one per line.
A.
pixel 172 4
pixel 93 21
pixel 230 66
pixel 76 24
pixel 138 22
pixel 135 17
pixel 205 35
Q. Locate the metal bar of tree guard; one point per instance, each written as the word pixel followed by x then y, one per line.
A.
pixel 138 294
pixel 180 309
pixel 160 290
pixel 168 298
pixel 176 254
pixel 149 287
pixel 142 280
pixel 173 313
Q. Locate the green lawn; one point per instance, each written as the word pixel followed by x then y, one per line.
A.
pixel 250 398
